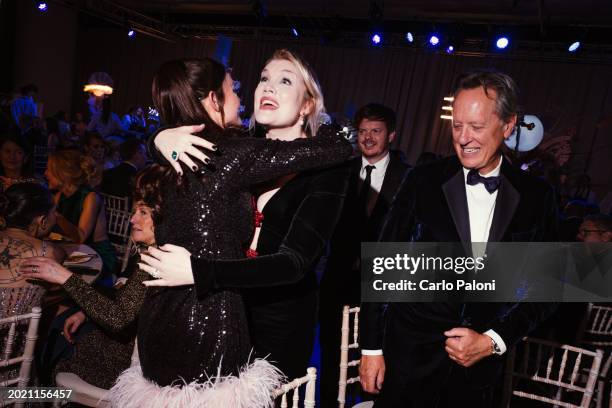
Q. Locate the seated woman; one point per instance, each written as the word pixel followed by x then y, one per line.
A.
pixel 103 347
pixel 16 164
pixel 94 146
pixel 80 210
pixel 28 214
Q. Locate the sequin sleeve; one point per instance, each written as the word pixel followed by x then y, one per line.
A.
pixel 266 159
pixel 115 313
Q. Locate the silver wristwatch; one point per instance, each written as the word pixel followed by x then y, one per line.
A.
pixel 495 349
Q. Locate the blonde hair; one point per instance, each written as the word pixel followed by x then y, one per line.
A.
pixel 313 120
pixel 71 167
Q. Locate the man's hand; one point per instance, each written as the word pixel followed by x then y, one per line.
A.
pixel 466 347
pixel 372 373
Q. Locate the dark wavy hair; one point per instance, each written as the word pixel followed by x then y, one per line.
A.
pixel 376 112
pixel 27 170
pixel 148 189
pixel 22 202
pixel 179 87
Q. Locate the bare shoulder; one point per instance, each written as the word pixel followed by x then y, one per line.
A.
pixel 93 197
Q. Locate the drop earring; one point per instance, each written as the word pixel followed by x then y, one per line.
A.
pixel 301 122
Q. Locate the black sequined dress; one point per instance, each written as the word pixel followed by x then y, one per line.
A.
pixel 179 334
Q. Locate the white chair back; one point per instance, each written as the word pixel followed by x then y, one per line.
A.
pixel 112 202
pixel 26 358
pixel 118 229
pixel 596 332
pixel 310 379
pixel 118 214
pixel 558 369
pixel 348 343
pixel 597 329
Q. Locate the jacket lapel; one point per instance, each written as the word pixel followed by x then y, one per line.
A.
pixel 454 192
pixel 505 206
pixel 391 182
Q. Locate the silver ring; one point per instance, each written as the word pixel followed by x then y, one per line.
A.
pixel 155 273
pixel 34 269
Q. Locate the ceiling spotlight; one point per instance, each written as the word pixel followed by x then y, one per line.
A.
pixel 376 39
pixel 409 37
pixel 450 49
pixel 434 40
pixel 574 47
pixel 131 33
pixel 502 42
pixel 295 32
pixel 42 6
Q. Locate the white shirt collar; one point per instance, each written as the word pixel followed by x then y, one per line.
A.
pixel 493 173
pixel 380 164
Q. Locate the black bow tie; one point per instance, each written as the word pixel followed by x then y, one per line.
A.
pixel 490 183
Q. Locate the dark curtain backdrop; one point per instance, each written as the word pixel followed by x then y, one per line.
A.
pixel 573 100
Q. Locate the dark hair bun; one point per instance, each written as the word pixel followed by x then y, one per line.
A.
pixel 23 202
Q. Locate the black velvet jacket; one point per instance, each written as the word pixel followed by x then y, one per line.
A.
pixel 280 283
pixel 298 222
pixel 431 206
pixel 341 281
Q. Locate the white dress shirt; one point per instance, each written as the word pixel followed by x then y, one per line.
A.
pixel 376 179
pixel 481 206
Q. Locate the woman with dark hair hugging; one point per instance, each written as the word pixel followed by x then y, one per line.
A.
pixel 297 215
pixel 194 349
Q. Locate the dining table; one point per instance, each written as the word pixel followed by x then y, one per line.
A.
pixel 82 260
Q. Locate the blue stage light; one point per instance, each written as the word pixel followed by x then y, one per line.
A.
pixel 295 32
pixel 409 37
pixel 574 47
pixel 376 39
pixel 502 42
pixel 434 40
pixel 131 33
pixel 450 49
pixel 42 6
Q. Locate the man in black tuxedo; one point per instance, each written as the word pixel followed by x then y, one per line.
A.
pixel 119 181
pixel 452 354
pixel 375 177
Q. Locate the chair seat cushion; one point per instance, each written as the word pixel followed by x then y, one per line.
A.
pixel 365 404
pixel 79 386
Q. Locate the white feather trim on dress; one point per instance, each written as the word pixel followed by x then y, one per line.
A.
pixel 252 389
